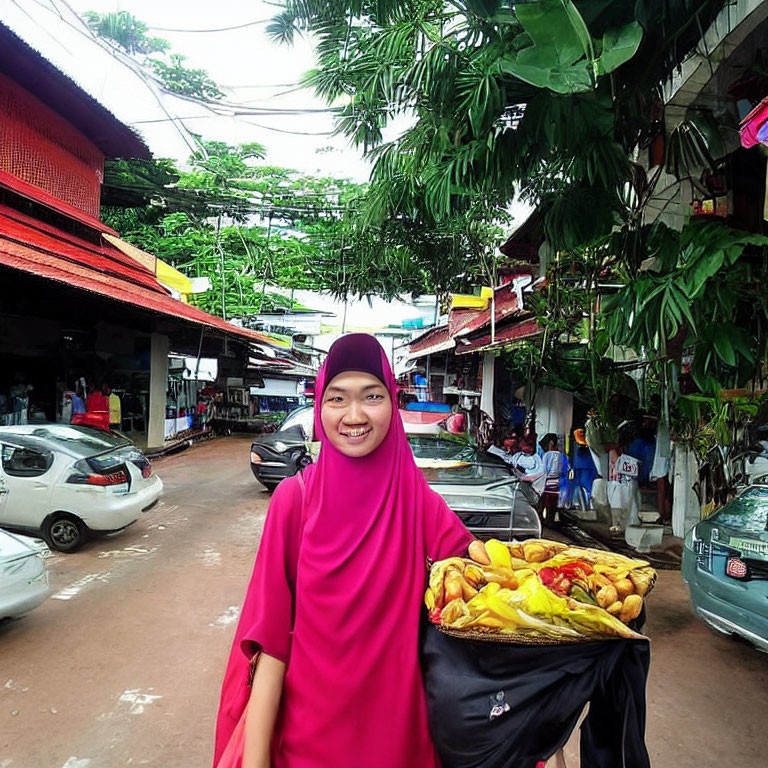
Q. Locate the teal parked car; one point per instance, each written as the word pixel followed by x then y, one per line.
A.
pixel 725 565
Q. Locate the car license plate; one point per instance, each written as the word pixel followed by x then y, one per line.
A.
pixel 749 546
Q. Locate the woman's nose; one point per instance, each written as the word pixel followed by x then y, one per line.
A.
pixel 355 413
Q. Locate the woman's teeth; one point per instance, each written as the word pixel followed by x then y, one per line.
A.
pixel 355 432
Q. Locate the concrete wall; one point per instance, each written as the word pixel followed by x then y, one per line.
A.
pixel 671 201
pixel 158 385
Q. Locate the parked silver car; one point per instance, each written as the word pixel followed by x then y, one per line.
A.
pixel 65 482
pixel 477 487
pixel 23 575
pixel 725 565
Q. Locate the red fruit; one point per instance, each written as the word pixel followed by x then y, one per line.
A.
pixel 547 576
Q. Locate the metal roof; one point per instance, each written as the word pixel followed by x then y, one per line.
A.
pixel 32 71
pixel 29 245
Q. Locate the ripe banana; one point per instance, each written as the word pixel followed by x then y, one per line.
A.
pixel 499 554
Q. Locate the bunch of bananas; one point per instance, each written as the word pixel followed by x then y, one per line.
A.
pixel 542 589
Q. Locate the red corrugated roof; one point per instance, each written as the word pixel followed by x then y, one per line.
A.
pixel 35 73
pixel 31 192
pixel 39 249
pixel 515 331
pixel 433 338
pixel 465 321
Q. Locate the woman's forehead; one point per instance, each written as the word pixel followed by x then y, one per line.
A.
pixel 354 380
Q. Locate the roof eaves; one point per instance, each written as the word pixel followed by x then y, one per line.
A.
pixel 31 70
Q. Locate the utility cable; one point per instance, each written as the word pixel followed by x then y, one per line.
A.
pixel 219 29
pixel 127 61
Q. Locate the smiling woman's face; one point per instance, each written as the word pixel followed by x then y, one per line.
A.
pixel 356 413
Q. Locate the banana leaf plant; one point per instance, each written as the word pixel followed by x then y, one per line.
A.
pixel 564 57
pixel 694 286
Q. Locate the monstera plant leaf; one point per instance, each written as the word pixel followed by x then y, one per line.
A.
pixel 693 146
pixel 563 56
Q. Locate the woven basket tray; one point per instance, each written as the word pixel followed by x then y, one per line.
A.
pixel 520 638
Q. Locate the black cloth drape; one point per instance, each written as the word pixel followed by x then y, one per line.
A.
pixel 509 706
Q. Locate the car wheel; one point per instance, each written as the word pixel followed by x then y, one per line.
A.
pixel 269 486
pixel 64 533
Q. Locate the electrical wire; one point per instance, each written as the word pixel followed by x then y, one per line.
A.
pixel 87 32
pixel 34 21
pixel 214 105
pixel 220 29
pixel 239 119
pixel 155 86
pixel 259 85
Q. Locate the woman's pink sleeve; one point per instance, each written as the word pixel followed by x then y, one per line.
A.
pixel 267 615
pixel 446 535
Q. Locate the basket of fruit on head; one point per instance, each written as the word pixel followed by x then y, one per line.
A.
pixel 541 592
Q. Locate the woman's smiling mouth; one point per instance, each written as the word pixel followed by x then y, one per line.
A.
pixel 356 435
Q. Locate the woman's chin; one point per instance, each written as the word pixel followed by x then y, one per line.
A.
pixel 357 447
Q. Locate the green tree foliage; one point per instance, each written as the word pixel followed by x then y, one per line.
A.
pixel 245 227
pixel 185 81
pixel 542 99
pixel 129 34
pixel 248 226
pixel 697 289
pixel 125 31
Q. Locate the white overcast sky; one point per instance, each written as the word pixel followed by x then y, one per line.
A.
pixel 250 67
pixel 244 62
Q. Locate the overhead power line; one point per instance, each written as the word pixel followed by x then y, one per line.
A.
pixel 219 29
pixel 234 117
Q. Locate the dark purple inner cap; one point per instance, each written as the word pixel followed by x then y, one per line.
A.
pixel 354 352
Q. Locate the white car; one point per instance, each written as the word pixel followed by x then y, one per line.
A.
pixel 65 481
pixel 23 575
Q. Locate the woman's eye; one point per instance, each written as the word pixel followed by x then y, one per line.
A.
pixel 375 397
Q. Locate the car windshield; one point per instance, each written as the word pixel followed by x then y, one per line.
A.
pixel 302 418
pixel 748 513
pixel 473 469
pixel 82 441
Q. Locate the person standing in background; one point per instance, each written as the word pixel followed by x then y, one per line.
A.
pixel 97 403
pixel 115 410
pixel 554 465
pixel 528 466
pixel 584 470
pixel 97 400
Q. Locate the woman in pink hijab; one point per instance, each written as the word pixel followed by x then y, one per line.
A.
pixel 329 627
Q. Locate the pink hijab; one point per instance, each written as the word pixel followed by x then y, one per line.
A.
pixel 336 594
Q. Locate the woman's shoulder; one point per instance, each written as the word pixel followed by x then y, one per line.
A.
pixel 288 497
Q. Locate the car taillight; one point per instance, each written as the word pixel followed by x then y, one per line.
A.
pixel 736 568
pixel 255 458
pixel 146 471
pixel 86 476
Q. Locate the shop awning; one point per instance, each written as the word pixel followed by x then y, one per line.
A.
pixel 464 322
pixel 37 195
pixel 523 329
pixel 31 246
pixel 433 341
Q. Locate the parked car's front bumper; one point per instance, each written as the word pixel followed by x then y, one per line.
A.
pixel 274 466
pixel 23 586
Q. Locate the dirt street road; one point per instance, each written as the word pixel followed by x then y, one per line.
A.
pixel 122 666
